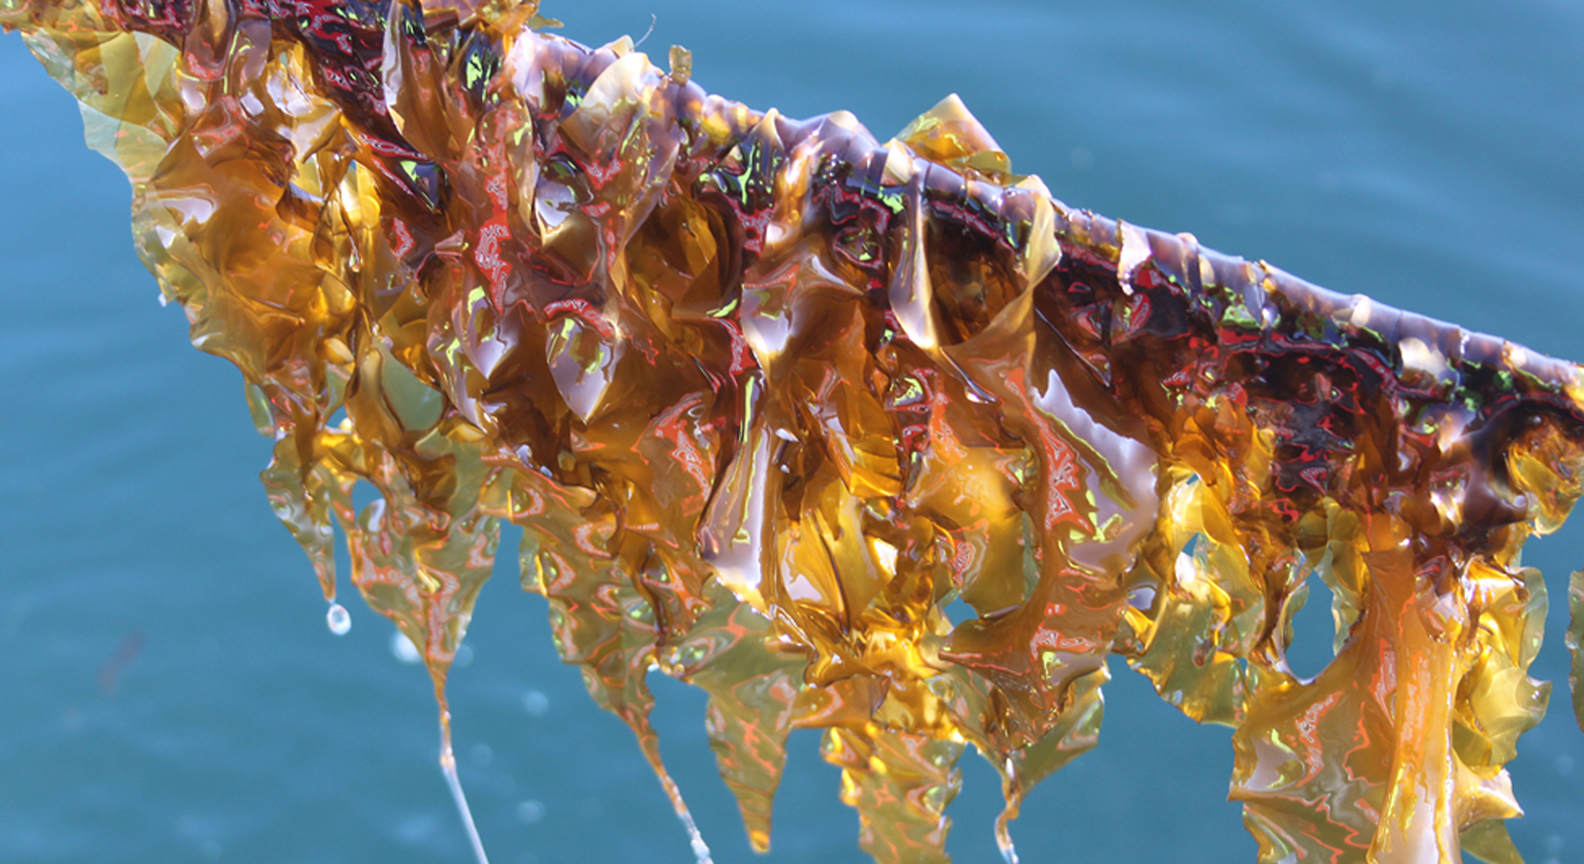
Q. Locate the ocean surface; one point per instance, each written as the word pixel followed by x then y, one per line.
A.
pixel 169 691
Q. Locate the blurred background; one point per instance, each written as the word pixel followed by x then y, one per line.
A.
pixel 171 692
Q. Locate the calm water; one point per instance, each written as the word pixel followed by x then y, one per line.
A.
pixel 1426 155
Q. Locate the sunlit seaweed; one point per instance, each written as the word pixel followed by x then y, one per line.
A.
pixel 770 397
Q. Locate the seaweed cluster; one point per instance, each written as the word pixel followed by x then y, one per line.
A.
pixel 874 438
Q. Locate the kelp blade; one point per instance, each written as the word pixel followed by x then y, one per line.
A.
pixel 770 396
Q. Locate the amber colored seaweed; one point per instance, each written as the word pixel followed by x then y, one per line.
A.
pixel 768 396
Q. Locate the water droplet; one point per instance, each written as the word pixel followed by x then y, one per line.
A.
pixel 530 812
pixel 338 619
pixel 463 658
pixel 403 649
pixel 536 703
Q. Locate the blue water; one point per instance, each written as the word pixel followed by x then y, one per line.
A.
pixel 1427 154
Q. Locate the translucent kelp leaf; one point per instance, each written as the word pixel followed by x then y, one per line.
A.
pixel 1489 842
pixel 900 783
pixel 752 692
pixel 601 622
pixel 949 134
pixel 769 397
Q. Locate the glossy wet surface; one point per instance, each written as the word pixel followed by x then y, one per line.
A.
pixel 1415 215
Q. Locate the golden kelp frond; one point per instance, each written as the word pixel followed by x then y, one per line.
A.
pixel 769 397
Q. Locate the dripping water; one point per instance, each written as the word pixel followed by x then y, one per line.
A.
pixel 340 622
pixel 701 850
pixel 449 768
pixel 1009 811
pixel 338 619
pixel 1003 836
